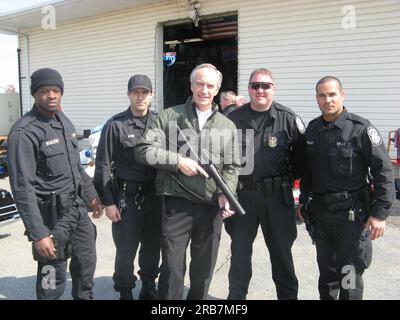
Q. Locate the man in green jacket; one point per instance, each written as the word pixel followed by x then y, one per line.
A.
pixel 193 206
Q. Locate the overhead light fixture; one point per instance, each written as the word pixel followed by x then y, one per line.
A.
pixel 194 14
pixel 175 42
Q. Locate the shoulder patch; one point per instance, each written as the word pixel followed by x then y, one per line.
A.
pixel 300 125
pixel 374 136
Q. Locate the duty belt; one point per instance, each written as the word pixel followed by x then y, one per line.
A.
pixel 133 187
pixel 333 197
pixel 63 199
pixel 267 185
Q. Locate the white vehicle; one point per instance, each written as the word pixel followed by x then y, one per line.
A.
pixel 88 156
pixel 8 209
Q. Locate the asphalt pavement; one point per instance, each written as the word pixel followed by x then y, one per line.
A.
pixel 382 279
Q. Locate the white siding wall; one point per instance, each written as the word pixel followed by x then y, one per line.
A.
pixel 300 41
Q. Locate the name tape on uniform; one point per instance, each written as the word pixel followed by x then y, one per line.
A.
pixel 53 141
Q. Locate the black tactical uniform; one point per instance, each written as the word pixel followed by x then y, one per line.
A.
pixel 266 195
pixel 49 185
pixel 122 181
pixel 229 109
pixel 339 155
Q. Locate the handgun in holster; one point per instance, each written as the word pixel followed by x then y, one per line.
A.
pixel 114 185
pixel 48 210
pixel 306 213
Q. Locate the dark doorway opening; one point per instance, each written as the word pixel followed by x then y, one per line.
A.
pixel 185 46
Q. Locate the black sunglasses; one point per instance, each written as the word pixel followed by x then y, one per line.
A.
pixel 262 85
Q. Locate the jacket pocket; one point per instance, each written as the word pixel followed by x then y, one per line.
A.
pixel 129 142
pixel 56 162
pixel 128 145
pixel 341 160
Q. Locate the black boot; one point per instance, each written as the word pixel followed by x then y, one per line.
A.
pixel 126 295
pixel 148 291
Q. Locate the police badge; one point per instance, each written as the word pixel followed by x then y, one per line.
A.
pixel 272 141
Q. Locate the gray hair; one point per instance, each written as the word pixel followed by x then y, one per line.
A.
pixel 230 96
pixel 209 66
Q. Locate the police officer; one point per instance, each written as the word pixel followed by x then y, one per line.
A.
pixel 50 187
pixel 266 191
pixel 126 189
pixel 341 149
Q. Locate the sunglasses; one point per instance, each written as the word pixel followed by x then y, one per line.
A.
pixel 262 85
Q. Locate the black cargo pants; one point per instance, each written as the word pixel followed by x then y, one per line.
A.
pixel 74 236
pixel 272 208
pixel 343 250
pixel 137 226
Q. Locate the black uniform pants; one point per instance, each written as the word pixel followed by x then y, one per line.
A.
pixel 77 230
pixel 343 251
pixel 184 221
pixel 277 218
pixel 137 226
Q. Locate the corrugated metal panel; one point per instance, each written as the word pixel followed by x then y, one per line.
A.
pixel 96 56
pixel 300 41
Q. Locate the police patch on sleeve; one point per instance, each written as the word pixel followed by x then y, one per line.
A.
pixel 374 136
pixel 300 125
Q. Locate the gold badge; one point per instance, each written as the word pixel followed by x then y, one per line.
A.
pixel 272 142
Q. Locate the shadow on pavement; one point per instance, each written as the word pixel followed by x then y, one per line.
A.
pixel 13 288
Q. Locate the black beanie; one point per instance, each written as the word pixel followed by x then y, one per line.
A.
pixel 46 77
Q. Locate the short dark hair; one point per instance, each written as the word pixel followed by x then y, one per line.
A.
pixel 327 79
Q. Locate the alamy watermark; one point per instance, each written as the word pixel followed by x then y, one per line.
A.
pixel 349 280
pixel 49 20
pixel 349 20
pixel 49 277
pixel 217 146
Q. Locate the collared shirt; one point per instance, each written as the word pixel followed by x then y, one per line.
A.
pixel 278 141
pixel 43 158
pixel 339 155
pixel 115 153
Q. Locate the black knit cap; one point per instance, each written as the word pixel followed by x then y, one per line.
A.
pixel 46 77
pixel 139 81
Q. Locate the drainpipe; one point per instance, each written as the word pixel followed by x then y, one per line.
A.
pixel 27 72
pixel 20 82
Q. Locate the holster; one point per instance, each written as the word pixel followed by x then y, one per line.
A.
pixel 48 209
pixel 306 213
pixel 367 199
pixel 51 209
